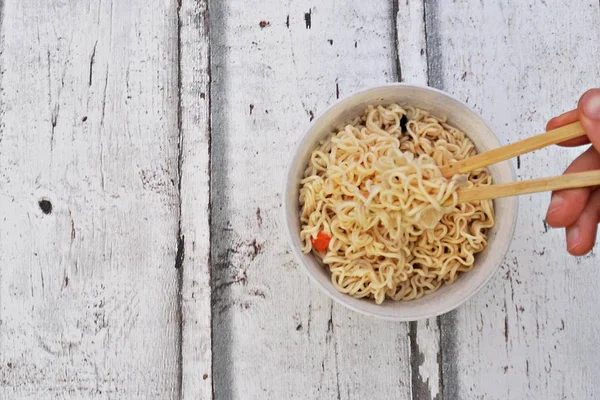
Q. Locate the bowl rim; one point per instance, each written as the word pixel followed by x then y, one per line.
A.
pixel 298 253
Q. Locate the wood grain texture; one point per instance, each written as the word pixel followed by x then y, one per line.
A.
pixel 194 229
pixel 411 41
pixel 89 290
pixel 276 66
pixel 115 147
pixel 531 332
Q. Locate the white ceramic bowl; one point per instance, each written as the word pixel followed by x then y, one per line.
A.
pixel 459 115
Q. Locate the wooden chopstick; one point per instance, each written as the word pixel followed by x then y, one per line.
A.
pixel 554 136
pixel 568 181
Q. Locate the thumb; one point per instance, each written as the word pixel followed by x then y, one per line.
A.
pixel 589 115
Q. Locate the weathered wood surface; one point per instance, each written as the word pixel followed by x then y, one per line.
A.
pixel 193 257
pixel 531 333
pixel 160 131
pixel 276 336
pixel 90 113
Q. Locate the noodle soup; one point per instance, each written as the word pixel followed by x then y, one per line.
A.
pixel 418 157
pixel 377 212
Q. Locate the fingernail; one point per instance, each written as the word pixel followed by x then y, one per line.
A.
pixel 573 238
pixel 590 104
pixel 555 204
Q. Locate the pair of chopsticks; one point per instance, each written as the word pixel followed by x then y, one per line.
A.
pixel 555 136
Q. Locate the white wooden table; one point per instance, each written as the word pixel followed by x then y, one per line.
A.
pixel 143 145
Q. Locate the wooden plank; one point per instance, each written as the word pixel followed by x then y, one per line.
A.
pixel 194 234
pixel 275 66
pixel 411 41
pixel 88 289
pixel 425 351
pixel 531 332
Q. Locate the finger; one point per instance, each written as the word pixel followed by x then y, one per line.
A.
pixel 581 236
pixel 567 205
pixel 589 115
pixel 565 119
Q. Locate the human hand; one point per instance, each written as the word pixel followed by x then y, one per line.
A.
pixel 578 210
